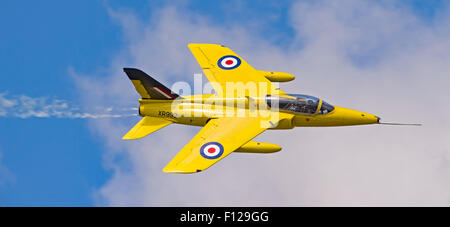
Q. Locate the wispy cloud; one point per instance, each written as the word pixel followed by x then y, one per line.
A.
pixel 22 106
pixel 365 55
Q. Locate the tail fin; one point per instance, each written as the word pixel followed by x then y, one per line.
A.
pixel 148 87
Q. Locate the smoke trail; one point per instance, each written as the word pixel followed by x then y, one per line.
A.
pixel 22 106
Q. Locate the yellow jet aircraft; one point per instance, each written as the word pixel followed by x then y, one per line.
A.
pixel 245 104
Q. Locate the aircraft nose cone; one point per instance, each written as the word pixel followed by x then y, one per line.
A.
pixel 370 118
pixel 354 117
pixel 373 119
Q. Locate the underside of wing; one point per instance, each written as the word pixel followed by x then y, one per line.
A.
pixel 215 141
pixel 224 68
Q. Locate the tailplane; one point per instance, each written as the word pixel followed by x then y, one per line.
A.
pixel 148 87
pixel 146 126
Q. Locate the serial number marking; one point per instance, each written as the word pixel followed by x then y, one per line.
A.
pixel 166 114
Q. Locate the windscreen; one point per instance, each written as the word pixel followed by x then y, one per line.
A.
pixel 303 104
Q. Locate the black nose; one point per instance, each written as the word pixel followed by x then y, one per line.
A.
pixel 378 119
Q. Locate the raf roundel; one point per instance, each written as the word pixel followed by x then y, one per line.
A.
pixel 211 150
pixel 229 62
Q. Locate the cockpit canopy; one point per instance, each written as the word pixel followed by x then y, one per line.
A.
pixel 303 104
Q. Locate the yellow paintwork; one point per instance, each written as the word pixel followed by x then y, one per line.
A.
pixel 277 76
pixel 338 117
pixel 234 133
pixel 208 55
pixel 146 126
pixel 258 148
pixel 140 89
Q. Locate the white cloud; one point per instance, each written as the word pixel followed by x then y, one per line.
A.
pixel 362 55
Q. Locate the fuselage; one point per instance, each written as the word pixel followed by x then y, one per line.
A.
pixel 294 110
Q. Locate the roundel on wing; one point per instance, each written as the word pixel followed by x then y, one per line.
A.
pixel 211 150
pixel 229 62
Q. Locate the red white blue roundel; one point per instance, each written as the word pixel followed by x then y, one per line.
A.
pixel 211 150
pixel 229 62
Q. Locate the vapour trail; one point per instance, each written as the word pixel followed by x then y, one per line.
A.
pixel 23 106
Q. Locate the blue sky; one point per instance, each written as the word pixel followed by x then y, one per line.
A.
pixel 59 161
pixel 53 161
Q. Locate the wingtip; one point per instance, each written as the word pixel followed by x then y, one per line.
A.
pixel 169 169
pixel 126 138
